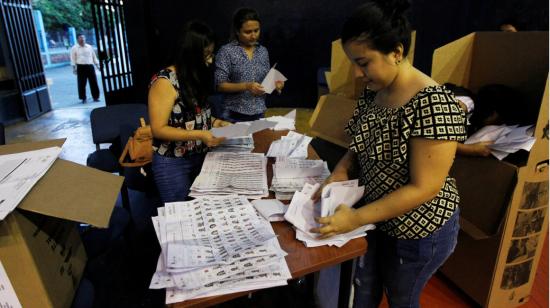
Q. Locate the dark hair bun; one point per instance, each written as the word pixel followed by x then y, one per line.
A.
pixel 393 8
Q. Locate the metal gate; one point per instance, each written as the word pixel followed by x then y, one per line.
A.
pixel 17 21
pixel 116 71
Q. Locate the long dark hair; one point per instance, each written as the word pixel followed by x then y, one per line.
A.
pixel 241 16
pixel 381 24
pixel 194 77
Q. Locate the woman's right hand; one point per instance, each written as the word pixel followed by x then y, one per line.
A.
pixel 211 140
pixel 334 177
pixel 255 88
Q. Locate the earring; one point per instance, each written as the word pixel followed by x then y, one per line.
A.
pixel 397 62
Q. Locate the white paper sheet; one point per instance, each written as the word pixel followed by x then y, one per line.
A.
pixel 20 172
pixel 270 209
pixel 8 298
pixel 269 82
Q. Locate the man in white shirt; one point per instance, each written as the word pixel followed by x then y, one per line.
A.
pixel 84 61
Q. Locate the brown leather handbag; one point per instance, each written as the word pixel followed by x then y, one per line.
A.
pixel 139 147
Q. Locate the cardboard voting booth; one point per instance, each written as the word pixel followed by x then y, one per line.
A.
pixel 40 247
pixel 345 85
pixel 504 218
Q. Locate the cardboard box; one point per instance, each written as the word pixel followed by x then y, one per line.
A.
pixel 345 85
pixel 504 207
pixel 40 246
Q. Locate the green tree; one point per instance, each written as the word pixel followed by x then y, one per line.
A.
pixel 59 14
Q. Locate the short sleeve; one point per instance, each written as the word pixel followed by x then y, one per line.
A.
pixel 223 66
pixel 439 117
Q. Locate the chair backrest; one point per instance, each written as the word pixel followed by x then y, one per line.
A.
pixel 2 134
pixel 106 121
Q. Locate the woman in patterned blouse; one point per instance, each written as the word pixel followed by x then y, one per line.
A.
pixel 180 115
pixel 404 132
pixel 241 65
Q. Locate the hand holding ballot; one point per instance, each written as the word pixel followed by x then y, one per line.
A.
pixel 273 80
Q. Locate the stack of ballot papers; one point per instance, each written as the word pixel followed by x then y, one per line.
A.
pixel 302 212
pixel 18 174
pixel 236 144
pixel 242 129
pixel 225 173
pixel 506 139
pixel 215 245
pixel 292 145
pixel 286 122
pixel 290 175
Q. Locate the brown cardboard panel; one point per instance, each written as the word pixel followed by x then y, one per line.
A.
pixel 410 56
pixel 514 279
pixel 30 146
pixel 20 265
pixel 452 62
pixel 330 117
pixel 59 256
pixel 471 265
pixel 75 192
pixel 518 60
pixel 485 185
pixel 69 190
pixel 538 156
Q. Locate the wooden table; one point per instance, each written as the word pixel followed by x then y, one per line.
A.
pixel 300 259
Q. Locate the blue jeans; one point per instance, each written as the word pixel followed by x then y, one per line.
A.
pixel 401 267
pixel 233 116
pixel 175 175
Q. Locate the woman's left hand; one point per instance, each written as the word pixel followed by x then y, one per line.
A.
pixel 344 220
pixel 279 85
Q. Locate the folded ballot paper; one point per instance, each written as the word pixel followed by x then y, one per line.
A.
pixel 242 129
pixel 506 139
pixel 286 122
pixel 270 80
pixel 270 209
pixel 302 211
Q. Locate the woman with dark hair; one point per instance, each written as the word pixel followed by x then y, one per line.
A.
pixel 241 65
pixel 404 132
pixel 180 115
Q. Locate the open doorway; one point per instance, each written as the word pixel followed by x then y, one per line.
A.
pixel 58 25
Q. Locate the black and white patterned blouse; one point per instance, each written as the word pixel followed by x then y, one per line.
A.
pixel 380 137
pixel 182 117
pixel 233 65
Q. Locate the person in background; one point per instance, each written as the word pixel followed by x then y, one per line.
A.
pixel 241 65
pixel 180 114
pixel 404 132
pixel 84 63
pixel 466 100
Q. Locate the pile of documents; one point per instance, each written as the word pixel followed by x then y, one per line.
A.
pixel 302 211
pixel 236 144
pixel 506 139
pixel 18 174
pixel 292 145
pixel 290 175
pixel 215 245
pixel 286 122
pixel 225 173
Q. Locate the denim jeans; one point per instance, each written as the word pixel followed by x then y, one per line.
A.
pixel 401 268
pixel 175 175
pixel 233 116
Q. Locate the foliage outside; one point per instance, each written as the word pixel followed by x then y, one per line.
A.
pixel 59 15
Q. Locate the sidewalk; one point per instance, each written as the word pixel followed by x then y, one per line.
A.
pixel 64 90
